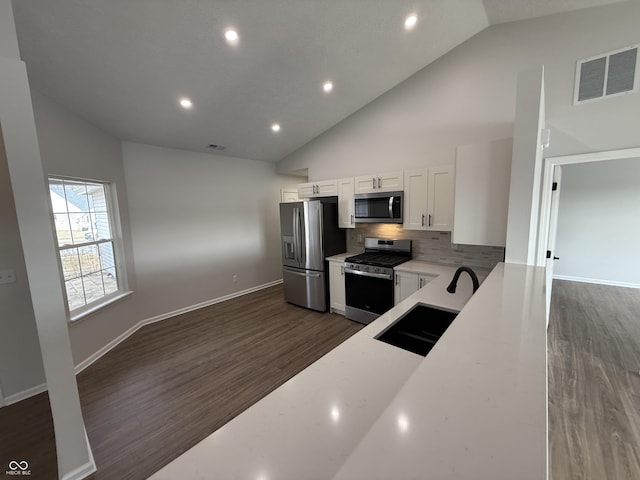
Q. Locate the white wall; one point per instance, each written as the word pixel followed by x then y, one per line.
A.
pixel 468 96
pixel 196 221
pixel 20 359
pixel 598 235
pixel 8 37
pixel 72 147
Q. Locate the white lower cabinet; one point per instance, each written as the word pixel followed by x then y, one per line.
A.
pixel 407 283
pixel 336 287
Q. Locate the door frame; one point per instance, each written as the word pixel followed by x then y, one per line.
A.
pixel 550 164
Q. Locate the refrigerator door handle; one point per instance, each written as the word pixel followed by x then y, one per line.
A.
pixel 295 236
pixel 300 240
pixel 304 274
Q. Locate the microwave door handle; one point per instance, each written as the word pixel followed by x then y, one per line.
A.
pixel 391 207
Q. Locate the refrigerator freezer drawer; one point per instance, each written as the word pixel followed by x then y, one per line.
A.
pixel 305 288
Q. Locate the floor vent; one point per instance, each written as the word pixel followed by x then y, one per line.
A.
pixel 610 74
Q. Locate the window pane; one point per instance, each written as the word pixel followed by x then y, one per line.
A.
pixel 97 197
pixel 110 281
pixel 89 259
pixel 56 192
pixel 70 263
pixel 75 293
pixel 80 227
pixel 101 225
pixel 93 286
pixel 76 195
pixel 107 258
pixel 63 228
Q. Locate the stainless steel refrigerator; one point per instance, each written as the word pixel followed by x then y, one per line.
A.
pixel 310 233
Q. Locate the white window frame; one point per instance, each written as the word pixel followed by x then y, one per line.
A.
pixel 118 252
pixel 636 78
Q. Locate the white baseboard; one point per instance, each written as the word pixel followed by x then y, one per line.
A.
pixel 596 281
pixel 24 394
pixel 16 397
pixel 157 318
pixel 86 469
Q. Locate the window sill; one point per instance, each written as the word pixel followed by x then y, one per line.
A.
pixel 75 317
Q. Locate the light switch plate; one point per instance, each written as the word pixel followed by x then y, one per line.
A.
pixel 7 276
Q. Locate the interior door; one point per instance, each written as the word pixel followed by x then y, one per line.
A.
pixel 553 228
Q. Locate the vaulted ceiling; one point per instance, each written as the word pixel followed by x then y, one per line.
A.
pixel 124 65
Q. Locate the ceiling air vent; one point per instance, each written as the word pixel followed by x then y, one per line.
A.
pixel 606 75
pixel 219 148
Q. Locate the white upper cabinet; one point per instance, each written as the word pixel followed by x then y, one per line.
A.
pixel 346 206
pixel 428 198
pixel 440 198
pixel 379 182
pixel 325 188
pixel 415 199
pixel 483 175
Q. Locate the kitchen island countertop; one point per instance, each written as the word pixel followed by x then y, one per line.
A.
pixel 474 408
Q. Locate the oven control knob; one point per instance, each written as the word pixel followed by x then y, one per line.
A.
pixel 377 270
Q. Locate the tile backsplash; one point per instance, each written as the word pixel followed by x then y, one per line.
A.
pixel 433 247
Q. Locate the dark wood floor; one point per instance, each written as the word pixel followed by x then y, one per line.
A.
pixel 594 382
pixel 174 382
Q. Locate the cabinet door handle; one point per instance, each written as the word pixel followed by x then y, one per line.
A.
pixel 374 182
pixel 429 219
pixel 352 218
pixel 342 270
pixel 379 183
pixel 396 279
pixel 420 283
pixel 423 219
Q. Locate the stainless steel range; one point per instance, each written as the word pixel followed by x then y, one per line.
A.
pixel 369 278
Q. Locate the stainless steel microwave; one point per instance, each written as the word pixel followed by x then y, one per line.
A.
pixel 379 207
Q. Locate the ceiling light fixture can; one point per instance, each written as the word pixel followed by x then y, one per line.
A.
pixel 275 127
pixel 327 86
pixel 186 103
pixel 411 21
pixel 231 36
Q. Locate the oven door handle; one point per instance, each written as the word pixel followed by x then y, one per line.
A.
pixel 369 274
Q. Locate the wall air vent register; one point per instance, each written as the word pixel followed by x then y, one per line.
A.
pixel 606 75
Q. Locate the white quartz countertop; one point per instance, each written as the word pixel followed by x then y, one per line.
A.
pixel 474 408
pixel 340 257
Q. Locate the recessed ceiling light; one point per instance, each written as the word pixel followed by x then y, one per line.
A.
pixel 231 36
pixel 327 86
pixel 411 21
pixel 186 103
pixel 275 127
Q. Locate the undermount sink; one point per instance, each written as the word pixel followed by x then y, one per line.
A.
pixel 418 330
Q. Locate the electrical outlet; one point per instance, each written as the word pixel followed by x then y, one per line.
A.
pixel 235 278
pixel 7 276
